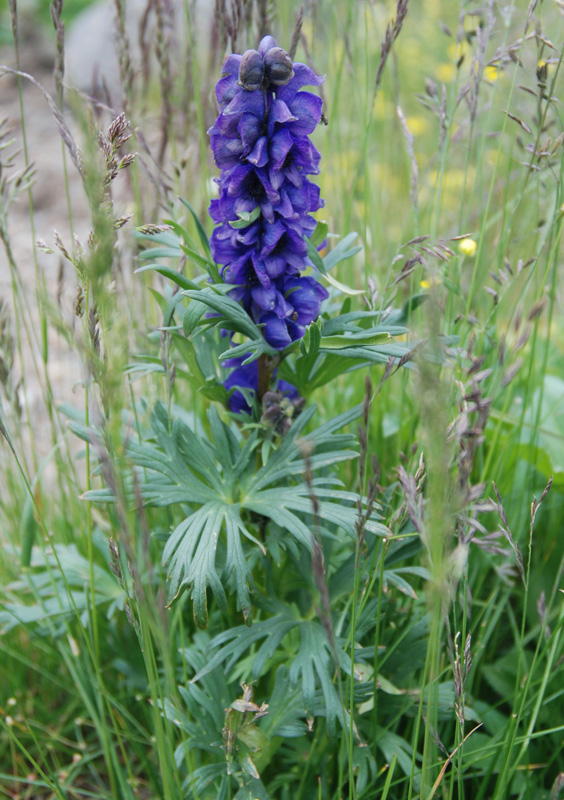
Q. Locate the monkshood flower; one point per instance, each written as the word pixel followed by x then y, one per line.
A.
pixel 303 296
pixel 260 142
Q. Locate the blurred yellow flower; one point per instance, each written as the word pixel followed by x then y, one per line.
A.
pixel 383 108
pixel 457 50
pixel 430 281
pixel 455 179
pixel 544 70
pixel 491 73
pixel 495 157
pixel 468 247
pixel 307 29
pixel 445 73
pixel 417 125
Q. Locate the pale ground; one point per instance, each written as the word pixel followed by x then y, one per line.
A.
pixel 50 213
pixel 89 47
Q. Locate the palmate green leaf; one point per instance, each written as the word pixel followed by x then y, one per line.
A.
pixel 190 553
pixel 230 645
pixel 279 504
pixel 285 708
pixel 314 663
pixel 60 587
pixel 217 481
pixel 310 373
pixel 324 446
pixel 396 747
pixel 201 715
pixel 312 666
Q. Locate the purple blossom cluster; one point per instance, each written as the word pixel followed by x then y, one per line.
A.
pixel 261 143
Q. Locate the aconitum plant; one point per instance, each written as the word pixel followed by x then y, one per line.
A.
pixel 261 528
pixel 261 143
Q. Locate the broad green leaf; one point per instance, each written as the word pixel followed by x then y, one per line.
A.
pixel 159 252
pixel 246 218
pixel 341 287
pixel 167 238
pixel 230 310
pixel 319 263
pixel 198 259
pixel 190 554
pixel 353 340
pixel 319 234
pixel 168 272
pixel 252 350
pixel 341 252
pixel 192 316
pixel 313 254
pixel 314 664
pixel 59 587
pixel 199 227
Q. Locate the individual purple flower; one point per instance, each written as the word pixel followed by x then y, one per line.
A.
pixel 243 376
pixel 304 296
pixel 283 250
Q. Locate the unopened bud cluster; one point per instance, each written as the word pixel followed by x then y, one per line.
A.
pixel 259 71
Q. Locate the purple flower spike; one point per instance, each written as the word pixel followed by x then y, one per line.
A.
pixel 260 142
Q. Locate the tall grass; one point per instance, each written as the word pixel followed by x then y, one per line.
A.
pixel 443 150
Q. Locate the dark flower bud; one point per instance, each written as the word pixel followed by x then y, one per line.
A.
pixel 278 66
pixel 299 405
pixel 270 399
pixel 272 416
pixel 251 70
pixel 279 411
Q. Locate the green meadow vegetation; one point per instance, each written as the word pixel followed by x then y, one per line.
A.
pixel 357 595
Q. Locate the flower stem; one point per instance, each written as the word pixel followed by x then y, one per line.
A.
pixel 266 367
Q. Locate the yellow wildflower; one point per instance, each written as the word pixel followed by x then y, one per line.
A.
pixel 491 73
pixel 417 125
pixel 542 71
pixel 458 50
pixel 468 247
pixel 445 73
